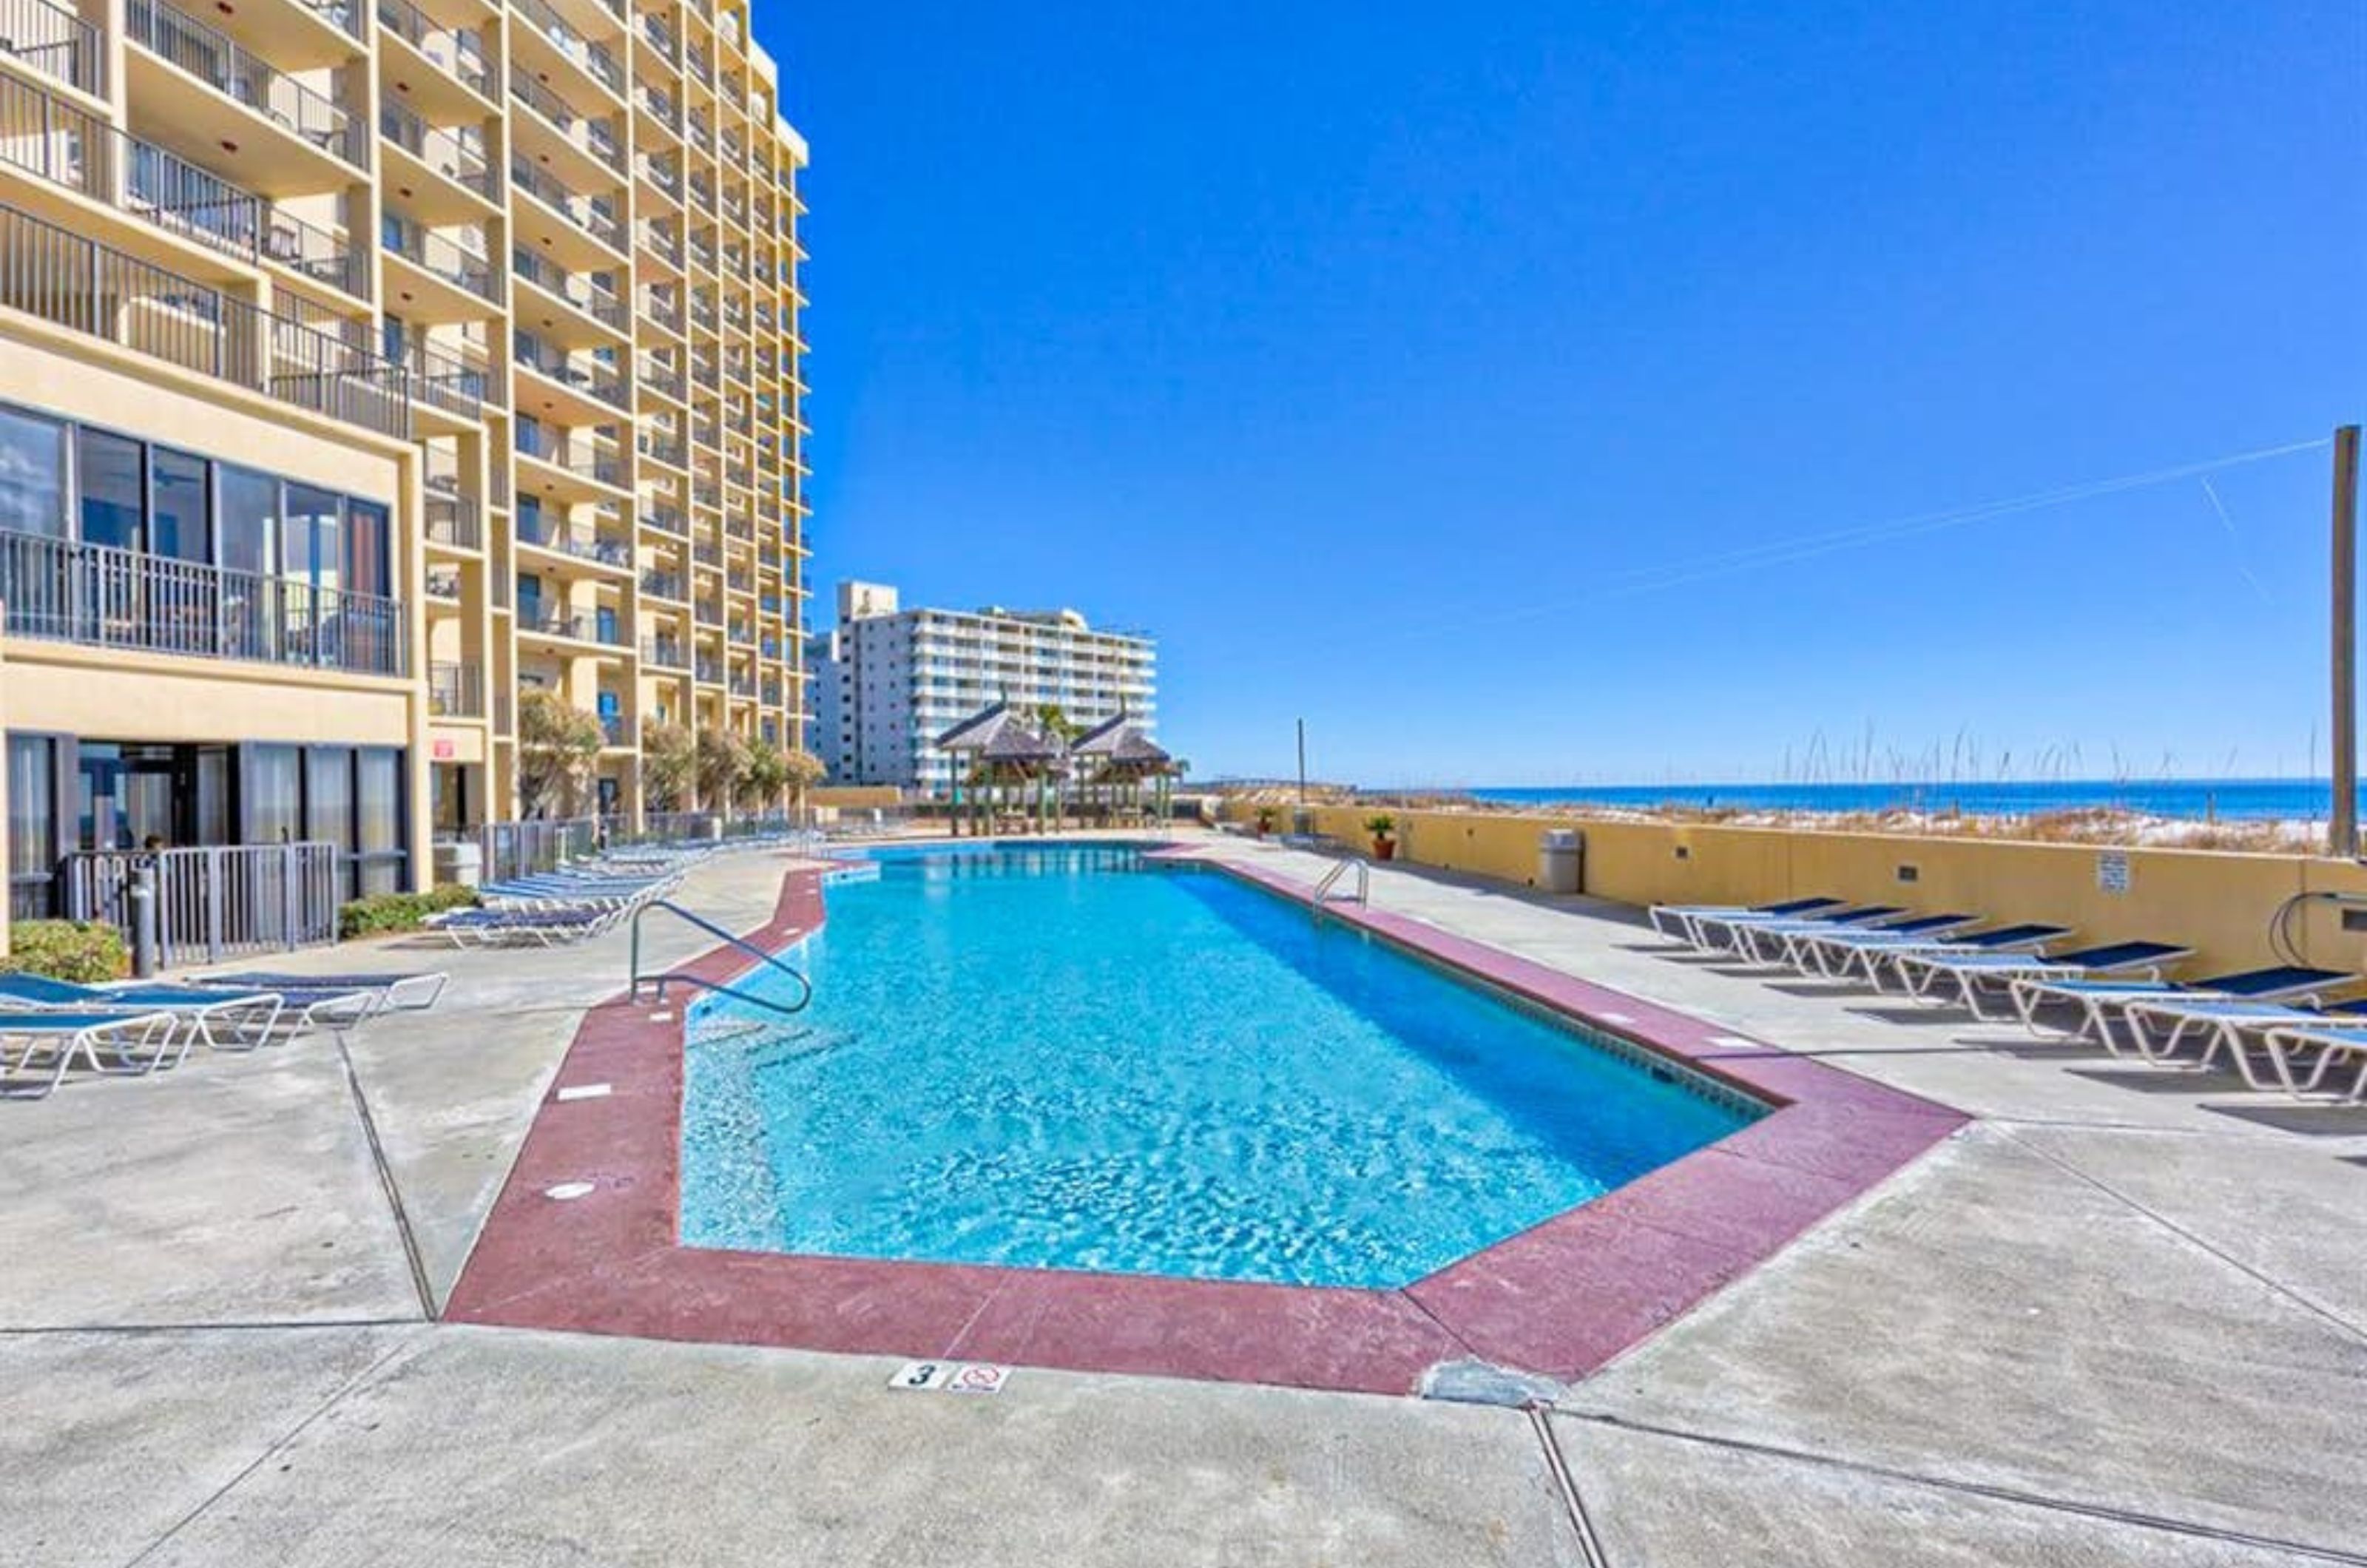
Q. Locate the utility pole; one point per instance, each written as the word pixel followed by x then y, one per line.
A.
pixel 2343 824
pixel 1302 765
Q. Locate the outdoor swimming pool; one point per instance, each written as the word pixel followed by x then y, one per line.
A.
pixel 1075 1058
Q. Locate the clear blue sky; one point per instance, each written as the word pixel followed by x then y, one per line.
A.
pixel 1352 347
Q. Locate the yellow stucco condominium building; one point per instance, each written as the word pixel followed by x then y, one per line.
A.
pixel 364 362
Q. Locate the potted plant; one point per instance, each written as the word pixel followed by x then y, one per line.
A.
pixel 1266 818
pixel 1384 829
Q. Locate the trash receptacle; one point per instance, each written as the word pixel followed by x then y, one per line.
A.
pixel 460 862
pixel 1562 861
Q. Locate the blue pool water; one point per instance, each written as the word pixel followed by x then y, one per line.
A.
pixel 1069 1057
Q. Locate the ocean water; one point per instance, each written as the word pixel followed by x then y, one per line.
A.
pixel 2226 800
pixel 1073 1058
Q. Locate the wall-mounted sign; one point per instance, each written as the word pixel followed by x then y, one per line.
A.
pixel 443 751
pixel 2113 872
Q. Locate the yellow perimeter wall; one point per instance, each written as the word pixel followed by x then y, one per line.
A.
pixel 2218 904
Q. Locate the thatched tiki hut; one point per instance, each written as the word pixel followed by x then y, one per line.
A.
pixel 1118 759
pixel 1004 759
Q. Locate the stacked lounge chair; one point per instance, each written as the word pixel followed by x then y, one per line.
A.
pixel 1980 981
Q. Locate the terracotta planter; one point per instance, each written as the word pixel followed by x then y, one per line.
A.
pixel 1384 849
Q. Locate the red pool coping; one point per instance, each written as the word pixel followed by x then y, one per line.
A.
pixel 1560 1299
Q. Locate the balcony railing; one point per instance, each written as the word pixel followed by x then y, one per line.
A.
pixel 616 729
pixel 600 138
pixel 666 449
pixel 581 543
pixel 101 597
pixel 664 519
pixel 455 50
pixel 592 57
pixel 84 287
pixel 579 458
pixel 586 375
pixel 665 309
pixel 664 378
pixel 659 243
pixel 445 381
pixel 595 301
pixel 577 628
pixel 455 263
pixel 454 520
pixel 56 42
pixel 214 58
pixel 664 584
pixel 665 653
pixel 456 691
pixel 449 153
pixel 709 670
pixel 580 210
pixel 54 140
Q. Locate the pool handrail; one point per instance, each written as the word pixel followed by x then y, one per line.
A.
pixel 1350 860
pixel 805 987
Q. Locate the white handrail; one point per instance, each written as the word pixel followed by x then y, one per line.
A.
pixel 1331 879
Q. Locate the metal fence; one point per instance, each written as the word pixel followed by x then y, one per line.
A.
pixel 53 39
pixel 517 849
pixel 214 904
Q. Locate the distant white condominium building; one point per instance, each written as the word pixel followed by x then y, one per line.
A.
pixel 889 680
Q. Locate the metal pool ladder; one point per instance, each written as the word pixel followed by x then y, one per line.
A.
pixel 664 977
pixel 1326 889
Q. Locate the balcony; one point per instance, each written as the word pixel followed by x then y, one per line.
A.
pixel 577 459
pixel 454 520
pixel 665 653
pixel 582 377
pixel 599 630
pixel 574 290
pixel 663 307
pixel 455 52
pixel 445 382
pixel 658 375
pixel 710 671
pixel 666 520
pixel 52 140
pixel 665 585
pixel 60 591
pixel 84 287
pixel 445 153
pixel 615 732
pixel 591 143
pixel 56 42
pixel 548 34
pixel 580 212
pixel 456 691
pixel 466 276
pixel 579 544
pixel 259 93
pixel 661 448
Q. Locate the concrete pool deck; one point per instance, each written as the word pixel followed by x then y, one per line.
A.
pixel 2119 1317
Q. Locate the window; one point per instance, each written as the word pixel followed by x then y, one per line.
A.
pixel 32 475
pixel 367 551
pixel 181 525
pixel 378 820
pixel 250 520
pixel 114 499
pixel 31 762
pixel 314 544
pixel 273 795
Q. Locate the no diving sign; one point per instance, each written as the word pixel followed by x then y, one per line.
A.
pixel 951 1376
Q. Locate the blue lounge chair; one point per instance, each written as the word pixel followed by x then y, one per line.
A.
pixel 2161 1029
pixel 544 927
pixel 2325 1043
pixel 221 1019
pixel 2028 937
pixel 2099 1002
pixel 135 1041
pixel 1752 939
pixel 1972 979
pixel 1686 918
pixel 392 991
pixel 1819 949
